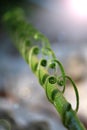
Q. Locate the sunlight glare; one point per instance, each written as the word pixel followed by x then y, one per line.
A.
pixel 79 7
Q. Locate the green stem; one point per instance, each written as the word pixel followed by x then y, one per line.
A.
pixel 26 39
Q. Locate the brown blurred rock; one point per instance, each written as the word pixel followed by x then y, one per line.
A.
pixel 83 120
pixel 76 67
pixel 39 125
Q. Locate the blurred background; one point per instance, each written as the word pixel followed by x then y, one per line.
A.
pixel 23 102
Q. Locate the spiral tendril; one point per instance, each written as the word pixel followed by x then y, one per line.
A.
pixel 55 79
pixel 29 33
pixel 28 40
pixel 76 92
pixel 44 63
